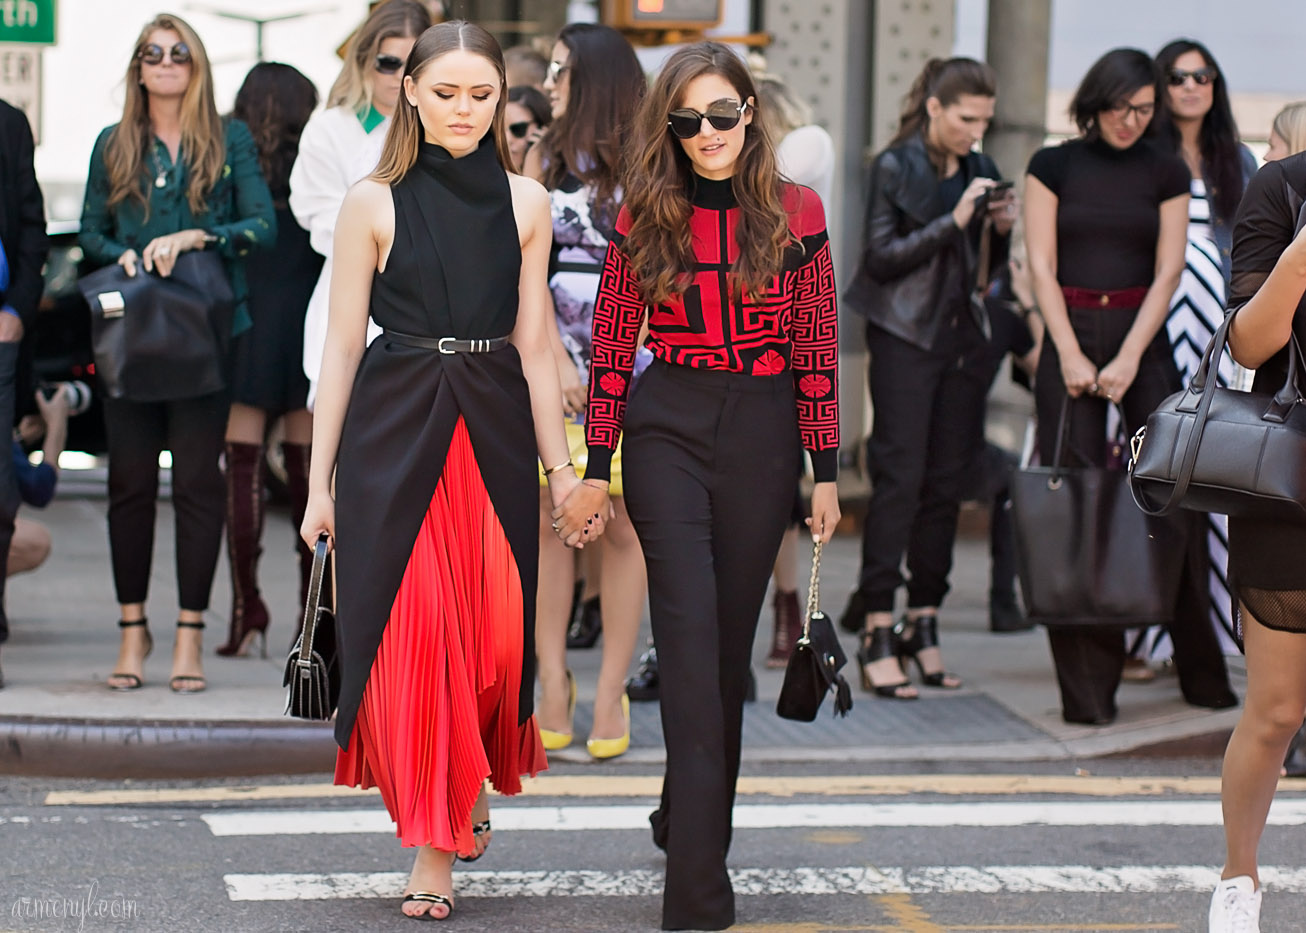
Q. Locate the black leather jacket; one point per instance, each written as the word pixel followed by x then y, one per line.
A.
pixel 912 250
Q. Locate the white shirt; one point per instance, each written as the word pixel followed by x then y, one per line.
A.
pixel 806 157
pixel 334 153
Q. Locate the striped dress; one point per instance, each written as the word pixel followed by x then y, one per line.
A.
pixel 1196 311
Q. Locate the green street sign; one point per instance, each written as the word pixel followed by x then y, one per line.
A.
pixel 29 21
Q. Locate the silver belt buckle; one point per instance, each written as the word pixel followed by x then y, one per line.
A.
pixel 441 347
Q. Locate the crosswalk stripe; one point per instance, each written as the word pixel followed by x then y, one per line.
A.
pixel 863 880
pixel 1284 812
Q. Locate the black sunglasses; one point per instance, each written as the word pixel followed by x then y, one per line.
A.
pixel 153 53
pixel 519 130
pixel 724 115
pixel 1203 76
pixel 388 64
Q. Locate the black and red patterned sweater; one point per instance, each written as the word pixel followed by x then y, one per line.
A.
pixel 794 326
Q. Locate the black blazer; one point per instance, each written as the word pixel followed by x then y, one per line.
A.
pixel 22 215
pixel 908 243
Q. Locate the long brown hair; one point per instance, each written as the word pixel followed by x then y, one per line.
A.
pixel 203 139
pixel 945 80
pixel 275 101
pixel 659 178
pixel 405 135
pixel 394 19
pixel 606 84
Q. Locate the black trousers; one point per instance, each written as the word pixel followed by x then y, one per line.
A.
pixel 709 460
pixel 193 430
pixel 9 500
pixel 1089 661
pixel 928 425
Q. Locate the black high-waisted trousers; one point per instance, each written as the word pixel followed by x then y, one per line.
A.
pixel 1089 660
pixel 709 459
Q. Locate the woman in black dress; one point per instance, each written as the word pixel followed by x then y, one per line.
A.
pixel 432 435
pixel 1106 218
pixel 1266 559
pixel 268 381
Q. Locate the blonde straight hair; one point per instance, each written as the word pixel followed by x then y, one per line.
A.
pixel 203 142
pixel 393 19
pixel 1290 126
pixel 406 133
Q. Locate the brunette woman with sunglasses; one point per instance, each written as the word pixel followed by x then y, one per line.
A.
pixel 929 370
pixel 1106 216
pixel 171 177
pixel 528 116
pixel 733 264
pixel 596 85
pixel 342 143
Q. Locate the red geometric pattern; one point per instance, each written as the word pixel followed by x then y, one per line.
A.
pixel 793 325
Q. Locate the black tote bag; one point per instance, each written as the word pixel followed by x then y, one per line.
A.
pixel 1085 553
pixel 155 339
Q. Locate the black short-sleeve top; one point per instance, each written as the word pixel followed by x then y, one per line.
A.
pixel 1108 209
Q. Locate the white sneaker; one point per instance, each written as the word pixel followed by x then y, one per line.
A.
pixel 1235 907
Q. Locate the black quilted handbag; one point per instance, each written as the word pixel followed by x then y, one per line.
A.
pixel 312 679
pixel 814 665
pixel 1213 449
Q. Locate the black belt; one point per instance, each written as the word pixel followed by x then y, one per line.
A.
pixel 447 344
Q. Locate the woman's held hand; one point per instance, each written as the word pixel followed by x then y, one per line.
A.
pixel 965 209
pixel 580 519
pixel 825 511
pixel 319 518
pixel 1115 378
pixel 1078 373
pixel 161 253
pixel 128 262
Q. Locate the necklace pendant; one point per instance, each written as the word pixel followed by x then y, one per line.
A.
pixel 161 181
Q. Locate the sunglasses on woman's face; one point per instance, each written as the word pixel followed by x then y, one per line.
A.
pixel 153 53
pixel 388 64
pixel 519 130
pixel 1203 76
pixel 724 115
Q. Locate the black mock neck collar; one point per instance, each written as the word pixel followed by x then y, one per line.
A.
pixel 473 175
pixel 713 195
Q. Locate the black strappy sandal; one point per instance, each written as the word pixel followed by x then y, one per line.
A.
pixel 879 643
pixel 478 830
pixel 427 897
pixel 187 683
pixel 133 681
pixel 925 635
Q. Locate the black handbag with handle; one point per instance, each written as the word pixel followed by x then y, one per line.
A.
pixel 814 665
pixel 155 338
pixel 312 678
pixel 1085 554
pixel 1214 449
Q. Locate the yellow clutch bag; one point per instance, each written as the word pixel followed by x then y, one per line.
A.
pixel 580 455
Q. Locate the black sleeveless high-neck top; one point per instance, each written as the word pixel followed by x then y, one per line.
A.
pixel 453 271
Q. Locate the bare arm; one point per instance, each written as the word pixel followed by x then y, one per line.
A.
pixel 365 231
pixel 1263 325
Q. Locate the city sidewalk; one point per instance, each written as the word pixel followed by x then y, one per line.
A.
pixel 58 718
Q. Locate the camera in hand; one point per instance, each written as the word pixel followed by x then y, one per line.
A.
pixel 77 392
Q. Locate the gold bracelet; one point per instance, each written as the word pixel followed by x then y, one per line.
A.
pixel 561 466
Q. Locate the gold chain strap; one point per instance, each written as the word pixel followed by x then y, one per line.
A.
pixel 813 588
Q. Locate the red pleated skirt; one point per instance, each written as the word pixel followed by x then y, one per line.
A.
pixel 439 712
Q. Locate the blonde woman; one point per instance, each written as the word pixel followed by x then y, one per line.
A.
pixel 342 144
pixel 1288 132
pixel 169 178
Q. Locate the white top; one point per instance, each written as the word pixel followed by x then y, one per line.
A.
pixel 334 153
pixel 806 156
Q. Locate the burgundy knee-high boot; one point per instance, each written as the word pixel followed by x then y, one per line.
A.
pixel 296 458
pixel 249 615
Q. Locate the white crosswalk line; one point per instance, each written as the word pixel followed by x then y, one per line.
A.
pixel 862 880
pixel 1285 812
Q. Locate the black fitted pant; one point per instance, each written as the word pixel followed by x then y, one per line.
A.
pixel 709 462
pixel 193 430
pixel 1089 660
pixel 928 411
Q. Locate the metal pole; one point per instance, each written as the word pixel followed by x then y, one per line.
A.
pixel 1019 35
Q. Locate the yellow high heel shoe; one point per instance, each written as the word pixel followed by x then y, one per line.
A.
pixel 553 741
pixel 611 748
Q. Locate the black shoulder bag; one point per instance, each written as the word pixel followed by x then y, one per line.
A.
pixel 813 669
pixel 312 678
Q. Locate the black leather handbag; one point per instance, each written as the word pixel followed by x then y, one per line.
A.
pixel 1214 449
pixel 814 665
pixel 312 678
pixel 1085 554
pixel 155 338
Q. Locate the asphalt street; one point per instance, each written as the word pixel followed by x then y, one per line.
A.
pixel 1003 847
